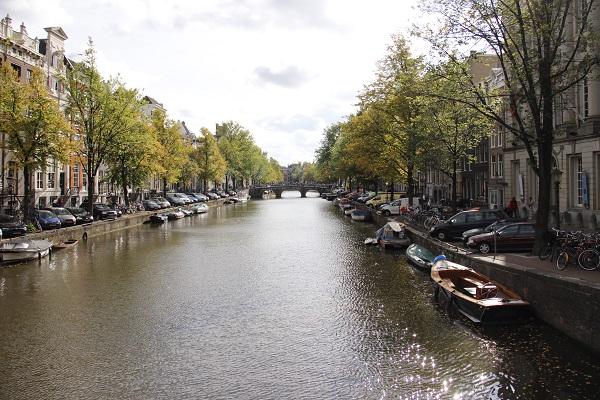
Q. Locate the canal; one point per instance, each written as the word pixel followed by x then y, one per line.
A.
pixel 265 300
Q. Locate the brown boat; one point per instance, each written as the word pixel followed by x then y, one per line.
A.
pixel 66 244
pixel 476 296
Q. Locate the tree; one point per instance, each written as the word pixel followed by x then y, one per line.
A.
pixel 235 143
pixel 543 48
pixel 323 154
pixel 173 152
pixel 36 129
pixel 210 162
pixel 102 112
pixel 454 129
pixel 133 160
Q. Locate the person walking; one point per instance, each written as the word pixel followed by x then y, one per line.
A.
pixel 513 207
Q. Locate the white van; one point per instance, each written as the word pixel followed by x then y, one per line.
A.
pixel 395 206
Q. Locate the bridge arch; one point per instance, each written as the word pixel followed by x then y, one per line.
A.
pixel 257 192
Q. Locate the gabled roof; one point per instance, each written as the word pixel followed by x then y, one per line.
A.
pixel 57 30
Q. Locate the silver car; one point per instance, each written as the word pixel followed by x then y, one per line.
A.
pixel 65 216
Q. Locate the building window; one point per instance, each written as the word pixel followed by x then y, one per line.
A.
pixel 76 175
pixel 17 69
pixel 493 171
pixel 576 181
pixel 39 180
pixel 42 202
pixel 500 166
pixel 29 72
pixel 51 177
pixel 586 98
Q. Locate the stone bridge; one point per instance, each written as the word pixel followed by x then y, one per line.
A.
pixel 257 192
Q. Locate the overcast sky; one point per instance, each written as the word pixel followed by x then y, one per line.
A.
pixel 284 69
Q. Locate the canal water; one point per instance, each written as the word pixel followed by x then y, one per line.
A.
pixel 266 300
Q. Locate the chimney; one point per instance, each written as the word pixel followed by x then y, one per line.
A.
pixel 8 21
pixel 23 29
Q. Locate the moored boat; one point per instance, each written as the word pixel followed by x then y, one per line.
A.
pixel 24 250
pixel 66 244
pixel 199 208
pixel 361 215
pixel 158 219
pixel 393 234
pixel 348 210
pixel 475 295
pixel 419 256
pixel 175 214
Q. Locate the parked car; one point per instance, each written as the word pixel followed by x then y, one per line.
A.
pixel 81 215
pixel 151 205
pixel 66 218
pixel 231 192
pixel 46 219
pixel 212 196
pixel 201 197
pixel 379 199
pixel 518 236
pixel 222 194
pixel 11 226
pixel 366 197
pixel 492 227
pixel 394 207
pixel 454 227
pixel 175 200
pixel 102 211
pixel 161 201
pixel 185 198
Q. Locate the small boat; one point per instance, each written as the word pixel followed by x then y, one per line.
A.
pixel 346 206
pixel 393 234
pixel 158 219
pixel 475 295
pixel 369 241
pixel 330 196
pixel 361 215
pixel 419 256
pixel 186 212
pixel 199 208
pixel 66 244
pixel 175 214
pixel 348 210
pixel 24 250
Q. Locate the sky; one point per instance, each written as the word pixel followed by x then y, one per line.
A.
pixel 283 69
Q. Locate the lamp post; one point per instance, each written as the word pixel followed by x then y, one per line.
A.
pixel 556 174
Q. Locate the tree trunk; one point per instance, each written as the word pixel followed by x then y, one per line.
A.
pixel 410 190
pixel 392 190
pixel 164 187
pixel 454 179
pixel 91 177
pixel 27 195
pixel 124 183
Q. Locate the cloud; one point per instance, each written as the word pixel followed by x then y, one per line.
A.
pixel 293 123
pixel 289 77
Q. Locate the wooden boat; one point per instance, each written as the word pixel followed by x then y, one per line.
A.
pixel 361 215
pixel 419 256
pixel 24 250
pixel 66 244
pixel 392 235
pixel 475 295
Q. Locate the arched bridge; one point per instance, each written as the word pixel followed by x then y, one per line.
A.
pixel 257 192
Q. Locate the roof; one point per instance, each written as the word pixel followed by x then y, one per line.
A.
pixel 57 30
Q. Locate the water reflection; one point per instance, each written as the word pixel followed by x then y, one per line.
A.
pixel 268 299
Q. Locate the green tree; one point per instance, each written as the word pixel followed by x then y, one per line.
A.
pixel 235 143
pixel 173 152
pixel 324 154
pixel 36 129
pixel 133 160
pixel 208 158
pixel 102 112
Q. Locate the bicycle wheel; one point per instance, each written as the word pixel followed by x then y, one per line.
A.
pixel 562 260
pixel 546 251
pixel 588 260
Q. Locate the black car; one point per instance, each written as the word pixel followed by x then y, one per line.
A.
pixel 494 226
pixel 465 220
pixel 151 205
pixel 11 226
pixel 81 215
pixel 101 211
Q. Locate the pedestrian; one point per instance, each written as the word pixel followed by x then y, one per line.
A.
pixel 531 208
pixel 513 207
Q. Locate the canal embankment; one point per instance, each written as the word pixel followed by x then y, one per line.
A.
pixel 569 304
pixel 102 227
pixel 567 300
